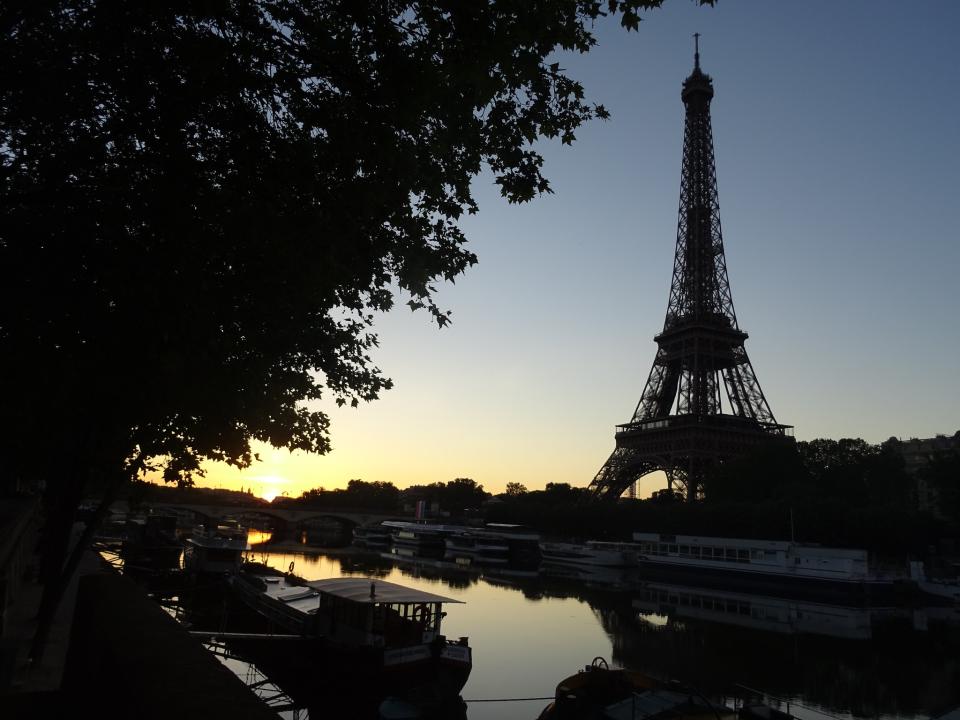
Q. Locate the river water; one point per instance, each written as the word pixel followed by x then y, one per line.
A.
pixel 530 629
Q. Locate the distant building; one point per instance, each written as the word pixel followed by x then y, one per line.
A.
pixel 917 453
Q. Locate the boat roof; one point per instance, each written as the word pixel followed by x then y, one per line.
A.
pixel 359 590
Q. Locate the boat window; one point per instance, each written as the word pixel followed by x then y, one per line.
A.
pixel 743 556
pixel 684 550
pixel 756 554
pixel 673 548
pixel 731 554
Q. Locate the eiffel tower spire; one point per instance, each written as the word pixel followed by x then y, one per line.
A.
pixel 702 403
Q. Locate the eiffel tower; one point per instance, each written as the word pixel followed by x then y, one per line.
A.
pixel 702 404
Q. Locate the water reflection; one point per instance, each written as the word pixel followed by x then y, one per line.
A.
pixel 769 614
pixel 531 628
pixel 861 661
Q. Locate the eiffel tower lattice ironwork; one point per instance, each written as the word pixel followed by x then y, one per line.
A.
pixel 702 403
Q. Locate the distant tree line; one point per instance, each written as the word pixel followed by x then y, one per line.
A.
pixel 455 497
pixel 140 492
pixel 942 473
pixel 840 492
pixel 849 471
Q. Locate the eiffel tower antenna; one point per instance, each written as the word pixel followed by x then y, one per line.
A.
pixel 702 404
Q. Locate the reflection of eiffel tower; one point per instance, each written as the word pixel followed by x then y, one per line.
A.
pixel 681 426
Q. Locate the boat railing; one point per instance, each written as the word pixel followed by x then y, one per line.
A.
pixel 786 703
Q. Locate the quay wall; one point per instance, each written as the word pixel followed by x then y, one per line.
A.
pixel 128 658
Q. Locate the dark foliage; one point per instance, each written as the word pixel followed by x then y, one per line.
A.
pixel 942 473
pixel 358 494
pixel 203 204
pixel 837 492
pixel 455 497
pixel 848 471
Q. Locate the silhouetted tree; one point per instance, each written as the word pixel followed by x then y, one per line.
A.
pixel 515 489
pixel 453 497
pixel 854 471
pixel 559 494
pixel 358 494
pixel 203 204
pixel 770 471
pixel 942 473
pixel 462 494
pixel 373 495
pixel 666 496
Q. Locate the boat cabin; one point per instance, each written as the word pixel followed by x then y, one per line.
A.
pixel 216 548
pixel 364 611
pixel 771 556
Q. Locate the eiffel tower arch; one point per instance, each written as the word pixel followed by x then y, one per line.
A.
pixel 702 404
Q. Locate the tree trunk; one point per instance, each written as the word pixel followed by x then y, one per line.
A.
pixel 61 567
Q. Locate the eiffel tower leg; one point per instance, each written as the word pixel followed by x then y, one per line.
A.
pixel 619 473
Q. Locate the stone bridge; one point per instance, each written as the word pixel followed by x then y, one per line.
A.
pixel 288 521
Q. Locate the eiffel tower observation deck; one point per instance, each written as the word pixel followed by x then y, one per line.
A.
pixel 702 404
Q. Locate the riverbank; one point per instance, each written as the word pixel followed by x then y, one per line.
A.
pixel 111 651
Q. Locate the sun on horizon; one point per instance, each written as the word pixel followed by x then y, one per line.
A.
pixel 269 487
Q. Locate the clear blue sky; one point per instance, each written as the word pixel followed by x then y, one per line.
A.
pixel 835 126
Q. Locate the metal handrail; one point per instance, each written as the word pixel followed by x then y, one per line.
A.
pixel 784 701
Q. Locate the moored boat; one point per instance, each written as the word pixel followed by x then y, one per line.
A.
pixel 371 631
pixel 216 548
pixel 939 588
pixel 598 692
pixel 772 564
pixel 523 542
pixel 478 547
pixel 422 536
pixel 150 542
pixel 372 536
